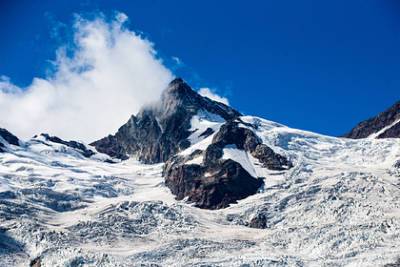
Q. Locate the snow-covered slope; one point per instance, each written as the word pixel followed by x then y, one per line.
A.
pixel 338 206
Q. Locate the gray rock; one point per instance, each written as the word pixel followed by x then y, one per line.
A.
pixel 270 159
pixel 211 187
pixel 376 124
pixel 9 137
pixel 392 132
pixel 260 221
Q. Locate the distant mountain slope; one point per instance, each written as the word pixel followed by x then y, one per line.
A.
pixel 384 125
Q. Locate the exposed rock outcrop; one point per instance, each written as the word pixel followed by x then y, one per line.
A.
pixel 211 187
pixel 35 262
pixel 218 182
pixel 73 144
pixel 9 137
pixel 159 131
pixel 397 164
pixel 392 132
pixel 384 125
pixel 231 133
pixel 259 221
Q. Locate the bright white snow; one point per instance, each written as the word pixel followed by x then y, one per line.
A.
pixel 240 156
pixel 201 122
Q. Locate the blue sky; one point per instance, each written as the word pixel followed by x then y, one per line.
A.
pixel 310 64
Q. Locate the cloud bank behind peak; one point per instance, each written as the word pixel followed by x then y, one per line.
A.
pixel 110 75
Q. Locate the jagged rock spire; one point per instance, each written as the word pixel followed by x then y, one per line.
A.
pixel 159 131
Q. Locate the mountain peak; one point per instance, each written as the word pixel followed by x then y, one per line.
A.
pixel 160 130
pixel 177 80
pixel 178 87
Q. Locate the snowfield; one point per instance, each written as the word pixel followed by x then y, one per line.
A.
pixel 338 206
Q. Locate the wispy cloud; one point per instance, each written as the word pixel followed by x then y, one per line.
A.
pixel 178 62
pixel 207 92
pixel 111 73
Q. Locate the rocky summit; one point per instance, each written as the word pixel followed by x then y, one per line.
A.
pixel 189 181
pixel 162 129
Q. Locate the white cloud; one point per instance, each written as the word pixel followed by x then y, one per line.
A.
pixel 207 92
pixel 111 74
pixel 177 61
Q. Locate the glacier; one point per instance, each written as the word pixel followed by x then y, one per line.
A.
pixel 338 206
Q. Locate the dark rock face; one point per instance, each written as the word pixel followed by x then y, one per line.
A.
pixel 35 262
pixel 110 146
pixel 207 133
pixel 231 134
pixel 216 183
pixel 270 159
pixel 9 137
pixel 79 146
pixel 211 187
pixel 392 132
pixel 159 131
pixel 376 124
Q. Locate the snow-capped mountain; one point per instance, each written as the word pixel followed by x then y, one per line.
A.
pixel 194 134
pixel 160 130
pixel 192 182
